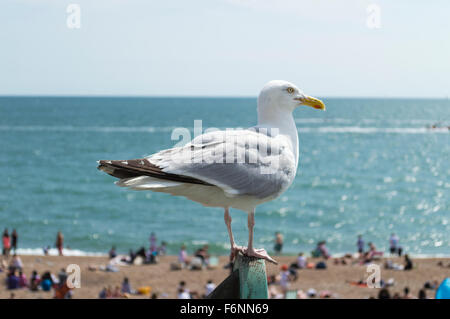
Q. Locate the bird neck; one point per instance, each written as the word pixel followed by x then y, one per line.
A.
pixel 284 122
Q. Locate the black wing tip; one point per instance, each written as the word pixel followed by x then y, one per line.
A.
pixel 101 164
pixel 139 167
pixel 111 168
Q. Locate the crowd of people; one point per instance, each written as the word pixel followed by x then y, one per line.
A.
pixel 182 291
pixel 364 257
pixel 17 279
pixel 9 242
pixel 142 255
pixel 385 293
pixel 279 285
pixel 124 291
pixel 201 259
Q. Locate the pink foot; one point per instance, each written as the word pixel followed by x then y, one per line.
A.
pixel 259 253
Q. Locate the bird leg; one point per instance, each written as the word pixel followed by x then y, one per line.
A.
pixel 234 248
pixel 250 251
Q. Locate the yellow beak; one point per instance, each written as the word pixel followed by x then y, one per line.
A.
pixel 313 102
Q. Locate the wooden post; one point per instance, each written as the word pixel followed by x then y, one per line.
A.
pixel 247 281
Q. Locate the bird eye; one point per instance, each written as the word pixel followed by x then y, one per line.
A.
pixel 290 90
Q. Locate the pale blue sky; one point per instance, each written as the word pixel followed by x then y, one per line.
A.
pixel 224 47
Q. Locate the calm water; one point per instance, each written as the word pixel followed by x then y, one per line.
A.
pixel 367 166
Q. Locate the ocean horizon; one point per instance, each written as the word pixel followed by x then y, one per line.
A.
pixel 369 166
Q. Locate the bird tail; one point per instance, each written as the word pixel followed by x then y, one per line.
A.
pixel 132 169
pixel 130 175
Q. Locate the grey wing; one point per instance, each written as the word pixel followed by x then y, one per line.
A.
pixel 241 162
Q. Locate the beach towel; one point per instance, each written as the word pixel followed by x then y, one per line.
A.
pixel 291 294
pixel 213 262
pixel 144 290
pixel 358 284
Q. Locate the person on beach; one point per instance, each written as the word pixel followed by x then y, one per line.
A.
pixel 106 293
pixel 300 263
pixel 274 293
pixel 34 281
pixel 60 243
pixel 278 243
pixel 109 292
pixel 406 294
pixel 203 254
pixel 284 278
pixel 322 250
pixel 6 243
pixel 62 291
pixel 153 246
pixel 126 287
pixel 62 277
pixel 422 294
pixel 23 282
pixel 140 256
pixel 47 281
pixel 373 253
pixel 16 263
pixel 360 244
pixel 183 258
pixel 209 288
pixel 103 293
pixel 384 294
pixel 393 244
pixel 162 249
pixel 14 240
pixel 12 281
pixel 112 253
pixel 408 263
pixel 117 293
pixel 183 292
pixel 151 256
pixel 132 256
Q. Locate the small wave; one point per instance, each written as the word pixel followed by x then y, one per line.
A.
pixel 54 252
pixel 319 120
pixel 101 129
pixel 372 130
pixel 322 120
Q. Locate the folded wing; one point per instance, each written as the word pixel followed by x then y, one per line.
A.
pixel 241 162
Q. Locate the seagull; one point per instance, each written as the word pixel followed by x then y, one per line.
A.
pixel 239 168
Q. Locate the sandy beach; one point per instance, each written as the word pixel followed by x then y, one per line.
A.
pixel 163 281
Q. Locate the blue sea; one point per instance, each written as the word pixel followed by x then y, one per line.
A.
pixel 367 166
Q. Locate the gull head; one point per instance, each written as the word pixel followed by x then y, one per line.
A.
pixel 286 96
